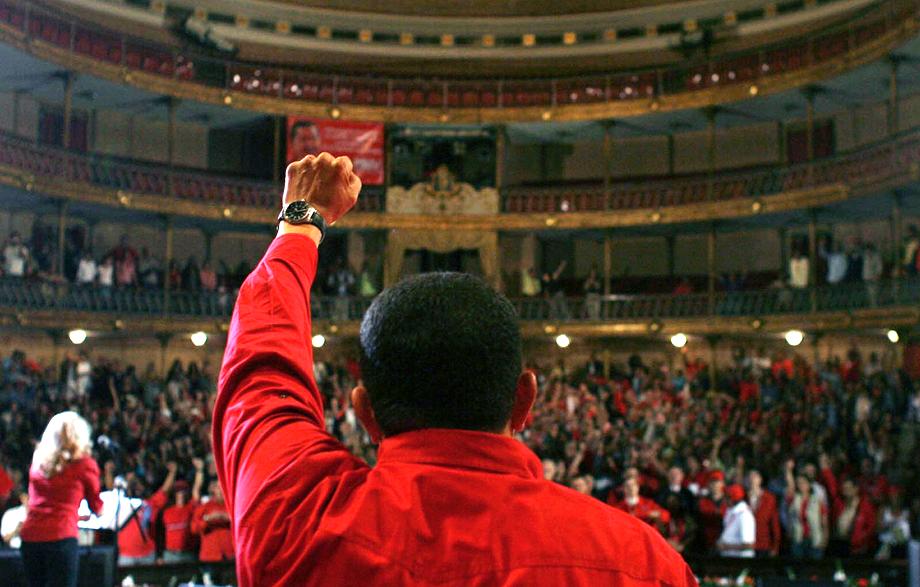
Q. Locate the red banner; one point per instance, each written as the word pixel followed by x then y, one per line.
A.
pixel 362 141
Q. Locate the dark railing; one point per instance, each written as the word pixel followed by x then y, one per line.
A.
pixel 864 169
pixel 116 48
pixel 31 295
pixel 742 303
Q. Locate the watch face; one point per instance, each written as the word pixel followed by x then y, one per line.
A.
pixel 296 211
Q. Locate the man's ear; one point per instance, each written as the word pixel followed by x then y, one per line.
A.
pixel 362 404
pixel 524 395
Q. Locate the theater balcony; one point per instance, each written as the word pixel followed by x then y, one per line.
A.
pixel 482 72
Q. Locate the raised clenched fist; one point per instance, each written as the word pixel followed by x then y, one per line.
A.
pixel 328 183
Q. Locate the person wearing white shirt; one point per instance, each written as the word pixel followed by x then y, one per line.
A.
pixel 836 265
pixel 798 270
pixel 739 526
pixel 107 273
pixel 12 521
pixel 15 256
pixel 86 270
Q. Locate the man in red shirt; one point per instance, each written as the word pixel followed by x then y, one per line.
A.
pixel 136 540
pixel 853 517
pixel 711 511
pixel 639 506
pixel 454 498
pixel 766 515
pixel 180 544
pixel 212 523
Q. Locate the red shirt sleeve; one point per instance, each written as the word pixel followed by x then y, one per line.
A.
pixel 269 430
pixel 775 535
pixel 90 481
pixel 158 500
pixel 198 524
pixel 830 483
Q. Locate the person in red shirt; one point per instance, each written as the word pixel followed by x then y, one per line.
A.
pixel 711 511
pixel 455 498
pixel 854 518
pixel 180 543
pixel 62 475
pixel 136 540
pixel 766 516
pixel 639 506
pixel 211 523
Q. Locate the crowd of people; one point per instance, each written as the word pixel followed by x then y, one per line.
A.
pixel 775 457
pixel 123 266
pixel 778 457
pixel 126 267
pixel 839 261
pixel 851 262
pixel 151 437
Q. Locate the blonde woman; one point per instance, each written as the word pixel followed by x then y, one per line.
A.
pixel 62 474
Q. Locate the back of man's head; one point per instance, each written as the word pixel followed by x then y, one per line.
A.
pixel 441 350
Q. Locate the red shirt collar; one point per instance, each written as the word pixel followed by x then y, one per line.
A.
pixel 461 449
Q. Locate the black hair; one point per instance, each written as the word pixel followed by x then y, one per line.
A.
pixel 441 350
pixel 299 125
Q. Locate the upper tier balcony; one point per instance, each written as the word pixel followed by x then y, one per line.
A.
pixel 162 189
pixel 274 88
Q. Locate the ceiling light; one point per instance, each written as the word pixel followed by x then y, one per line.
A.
pixel 563 341
pixel 318 341
pixel 893 336
pixel 795 337
pixel 77 336
pixel 679 340
pixel 199 338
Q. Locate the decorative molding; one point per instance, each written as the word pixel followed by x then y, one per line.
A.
pixel 443 195
pixel 715 210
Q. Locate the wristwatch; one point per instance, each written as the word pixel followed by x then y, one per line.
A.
pixel 301 212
